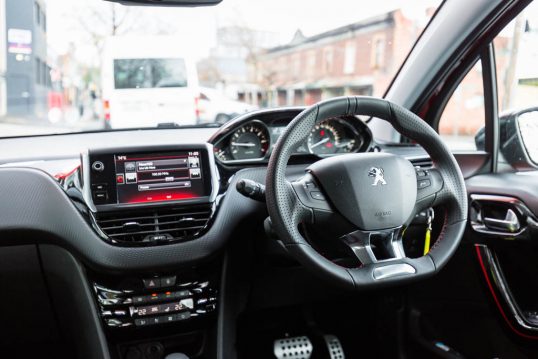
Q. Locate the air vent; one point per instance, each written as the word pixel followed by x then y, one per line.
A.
pixel 156 225
pixel 424 163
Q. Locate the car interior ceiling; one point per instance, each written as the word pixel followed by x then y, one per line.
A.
pixel 293 231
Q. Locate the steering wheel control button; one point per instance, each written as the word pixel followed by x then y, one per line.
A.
pixel 317 195
pixel 168 281
pixel 152 283
pixel 393 270
pixel 98 166
pixel 423 183
pixel 310 185
pixel 422 173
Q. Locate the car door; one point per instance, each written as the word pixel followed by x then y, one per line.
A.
pixel 484 303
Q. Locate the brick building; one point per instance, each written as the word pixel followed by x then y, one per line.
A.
pixel 356 59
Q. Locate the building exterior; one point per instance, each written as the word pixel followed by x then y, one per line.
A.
pixel 229 63
pixel 24 73
pixel 356 59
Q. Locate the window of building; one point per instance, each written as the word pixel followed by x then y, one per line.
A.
pixel 37 70
pixel 349 58
pixel 49 80
pixel 44 73
pixel 310 63
pixel 328 58
pixel 296 66
pixel 37 13
pixel 464 114
pixel 378 52
pixel 44 21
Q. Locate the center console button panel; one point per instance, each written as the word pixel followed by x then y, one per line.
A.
pixel 159 300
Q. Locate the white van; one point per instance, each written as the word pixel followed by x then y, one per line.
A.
pixel 148 81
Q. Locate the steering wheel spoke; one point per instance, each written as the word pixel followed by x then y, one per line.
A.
pixel 375 246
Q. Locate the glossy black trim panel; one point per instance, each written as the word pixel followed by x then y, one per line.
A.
pixel 502 296
pixel 35 209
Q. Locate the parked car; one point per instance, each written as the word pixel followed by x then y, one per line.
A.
pixel 215 107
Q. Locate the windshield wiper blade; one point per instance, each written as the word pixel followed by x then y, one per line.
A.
pixel 168 125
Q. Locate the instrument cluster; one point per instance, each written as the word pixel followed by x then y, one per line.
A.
pixel 253 140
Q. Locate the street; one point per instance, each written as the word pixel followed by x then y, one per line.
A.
pixel 68 121
pixel 24 129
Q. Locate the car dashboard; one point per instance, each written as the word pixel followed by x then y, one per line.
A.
pixel 148 213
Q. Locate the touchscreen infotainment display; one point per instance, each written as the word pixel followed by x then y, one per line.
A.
pixel 144 178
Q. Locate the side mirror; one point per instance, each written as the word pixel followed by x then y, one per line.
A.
pixel 527 124
pixel 178 3
pixel 518 138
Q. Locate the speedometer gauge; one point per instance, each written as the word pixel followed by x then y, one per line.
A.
pixel 250 141
pixel 323 140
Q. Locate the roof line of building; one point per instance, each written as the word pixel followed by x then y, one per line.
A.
pixel 387 18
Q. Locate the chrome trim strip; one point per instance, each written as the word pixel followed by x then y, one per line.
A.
pixel 393 270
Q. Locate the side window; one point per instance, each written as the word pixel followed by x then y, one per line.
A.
pixel 516 57
pixel 464 115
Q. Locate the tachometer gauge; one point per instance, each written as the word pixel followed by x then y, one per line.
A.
pixel 251 141
pixel 323 140
pixel 220 153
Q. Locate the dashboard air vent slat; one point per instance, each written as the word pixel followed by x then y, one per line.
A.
pixel 146 226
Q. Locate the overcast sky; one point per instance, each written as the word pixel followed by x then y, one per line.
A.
pixel 197 26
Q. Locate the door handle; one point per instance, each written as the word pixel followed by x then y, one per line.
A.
pixel 509 224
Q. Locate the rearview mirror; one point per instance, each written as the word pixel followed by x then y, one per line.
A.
pixel 178 3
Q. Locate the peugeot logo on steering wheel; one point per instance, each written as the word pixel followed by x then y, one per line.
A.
pixel 378 174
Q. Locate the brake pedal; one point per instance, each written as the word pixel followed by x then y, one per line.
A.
pixel 336 351
pixel 293 348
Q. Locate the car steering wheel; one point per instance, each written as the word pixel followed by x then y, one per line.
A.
pixel 377 193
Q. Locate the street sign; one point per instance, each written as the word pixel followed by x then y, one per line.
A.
pixel 19 41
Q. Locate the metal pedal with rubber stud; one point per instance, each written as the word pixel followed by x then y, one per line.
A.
pixel 293 348
pixel 336 351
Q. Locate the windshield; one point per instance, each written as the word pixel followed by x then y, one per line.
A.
pixel 90 65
